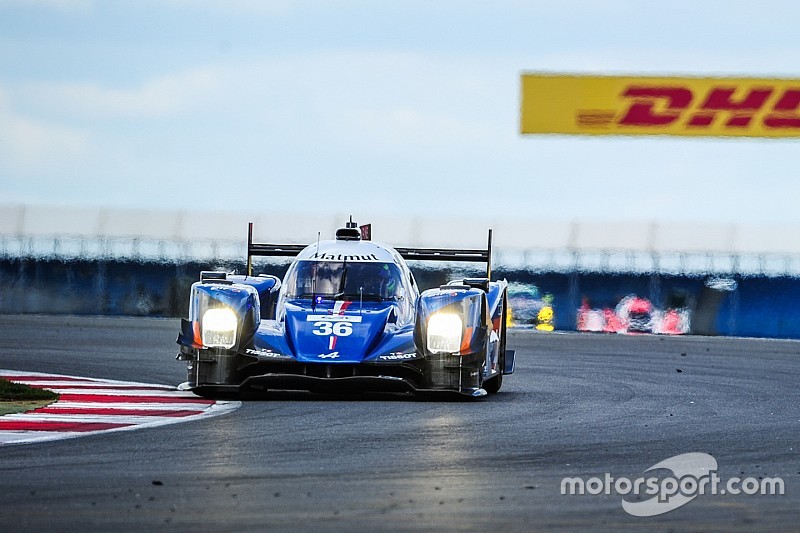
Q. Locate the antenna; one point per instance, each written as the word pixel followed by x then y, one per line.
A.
pixel 249 245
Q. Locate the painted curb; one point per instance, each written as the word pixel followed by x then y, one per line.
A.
pixel 88 406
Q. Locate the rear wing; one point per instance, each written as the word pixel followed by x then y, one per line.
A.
pixel 256 249
pixel 449 254
pixel 479 255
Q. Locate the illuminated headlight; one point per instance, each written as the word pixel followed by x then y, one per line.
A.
pixel 219 328
pixel 444 333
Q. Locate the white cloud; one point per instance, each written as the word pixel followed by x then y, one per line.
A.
pixel 28 143
pixel 406 128
pixel 384 101
pixel 159 97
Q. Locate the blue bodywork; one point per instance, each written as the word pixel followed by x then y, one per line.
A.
pixel 303 335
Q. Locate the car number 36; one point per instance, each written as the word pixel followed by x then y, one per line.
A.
pixel 339 329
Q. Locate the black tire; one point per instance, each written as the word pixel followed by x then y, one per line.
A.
pixel 493 385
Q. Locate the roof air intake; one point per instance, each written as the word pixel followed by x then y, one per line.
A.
pixel 349 233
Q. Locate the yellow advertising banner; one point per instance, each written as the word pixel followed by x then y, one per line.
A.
pixel 630 105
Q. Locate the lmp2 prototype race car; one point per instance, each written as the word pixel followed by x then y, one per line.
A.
pixel 347 317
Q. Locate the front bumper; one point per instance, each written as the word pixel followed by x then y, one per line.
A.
pixel 231 374
pixel 354 384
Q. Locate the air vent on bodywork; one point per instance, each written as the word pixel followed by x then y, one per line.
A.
pixel 454 287
pixel 349 233
pixel 478 283
pixel 213 275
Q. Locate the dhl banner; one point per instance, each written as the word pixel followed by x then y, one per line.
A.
pixel 623 105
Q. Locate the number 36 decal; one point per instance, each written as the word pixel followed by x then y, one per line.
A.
pixel 326 327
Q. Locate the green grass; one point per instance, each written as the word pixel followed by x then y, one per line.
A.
pixel 18 398
pixel 10 391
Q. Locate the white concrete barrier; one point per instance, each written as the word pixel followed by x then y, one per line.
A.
pixel 604 245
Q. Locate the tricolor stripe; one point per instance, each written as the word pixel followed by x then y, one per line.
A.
pixel 341 306
pixel 91 405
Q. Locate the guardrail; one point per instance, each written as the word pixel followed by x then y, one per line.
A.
pixel 35 231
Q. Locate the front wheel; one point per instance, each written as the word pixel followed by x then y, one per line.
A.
pixel 493 385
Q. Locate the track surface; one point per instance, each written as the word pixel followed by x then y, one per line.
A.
pixel 578 405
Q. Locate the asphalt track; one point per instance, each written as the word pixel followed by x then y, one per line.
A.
pixel 579 405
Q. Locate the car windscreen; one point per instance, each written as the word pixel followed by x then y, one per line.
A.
pixel 343 280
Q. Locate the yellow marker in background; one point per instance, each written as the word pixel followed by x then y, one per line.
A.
pixel 545 319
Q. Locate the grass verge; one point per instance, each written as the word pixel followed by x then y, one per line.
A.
pixel 18 398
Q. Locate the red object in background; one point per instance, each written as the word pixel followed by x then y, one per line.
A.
pixel 613 323
pixel 366 232
pixel 672 323
pixel 581 322
pixel 640 305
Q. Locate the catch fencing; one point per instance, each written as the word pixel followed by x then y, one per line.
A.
pixel 718 278
pixel 535 244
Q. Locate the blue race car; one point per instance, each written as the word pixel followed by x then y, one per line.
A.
pixel 347 317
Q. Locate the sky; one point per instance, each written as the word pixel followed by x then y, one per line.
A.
pixel 369 106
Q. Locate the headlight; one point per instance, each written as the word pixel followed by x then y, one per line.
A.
pixel 444 333
pixel 219 328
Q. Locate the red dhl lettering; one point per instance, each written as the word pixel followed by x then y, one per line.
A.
pixel 784 113
pixel 642 111
pixel 659 106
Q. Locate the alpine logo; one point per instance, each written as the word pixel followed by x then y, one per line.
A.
pixel 332 355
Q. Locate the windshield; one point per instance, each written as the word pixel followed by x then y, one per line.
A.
pixel 343 280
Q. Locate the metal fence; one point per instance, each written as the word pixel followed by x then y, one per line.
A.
pixel 35 231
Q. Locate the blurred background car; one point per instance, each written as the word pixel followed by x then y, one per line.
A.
pixel 527 307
